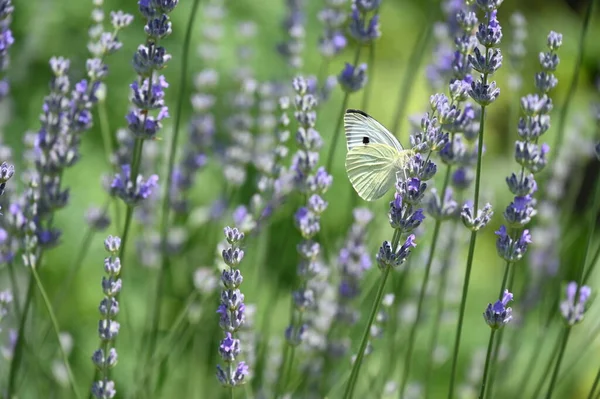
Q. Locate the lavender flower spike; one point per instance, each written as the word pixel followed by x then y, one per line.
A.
pixel 105 358
pixel 232 312
pixel 573 309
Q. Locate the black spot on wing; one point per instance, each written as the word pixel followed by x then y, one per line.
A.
pixel 365 140
pixel 357 111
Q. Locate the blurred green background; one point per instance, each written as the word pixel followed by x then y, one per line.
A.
pixel 46 28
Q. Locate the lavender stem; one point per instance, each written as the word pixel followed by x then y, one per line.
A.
pixel 56 328
pixel 562 119
pixel 350 385
pixel 340 118
pixel 164 224
pixel 423 290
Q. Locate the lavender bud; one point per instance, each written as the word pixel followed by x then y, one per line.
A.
pixel 476 223
pixel 498 315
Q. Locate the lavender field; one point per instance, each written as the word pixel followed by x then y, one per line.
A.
pixel 283 199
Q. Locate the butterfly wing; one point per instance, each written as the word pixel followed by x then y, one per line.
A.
pixel 372 169
pixel 362 129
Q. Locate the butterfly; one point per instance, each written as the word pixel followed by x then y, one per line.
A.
pixel 374 155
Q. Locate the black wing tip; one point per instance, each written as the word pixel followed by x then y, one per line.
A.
pixel 357 111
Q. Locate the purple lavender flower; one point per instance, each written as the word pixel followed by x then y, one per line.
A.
pixel 312 183
pixel 363 29
pixel 232 312
pixel 353 261
pixel 6 41
pixel 572 308
pixel 132 192
pixel 498 315
pixel 6 172
pixel 293 25
pixel 333 17
pixel 105 358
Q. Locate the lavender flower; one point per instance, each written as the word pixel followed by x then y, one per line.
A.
pixel 202 126
pixel 232 312
pixel 498 315
pixel 333 17
pixel 293 26
pixel 105 358
pixel 353 262
pixel 97 218
pixel 132 192
pixel 6 41
pixel 572 308
pixel 6 172
pixel 312 183
pixel 531 156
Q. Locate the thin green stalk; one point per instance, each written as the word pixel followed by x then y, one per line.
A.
pixel 472 242
pixel 340 119
pixel 423 291
pixel 74 268
pixel 492 357
pixel 592 265
pixel 163 349
pixel 15 288
pixel 437 321
pixel 18 352
pixel 48 305
pixel 546 371
pixel 580 353
pixel 561 353
pixel 164 224
pixel 486 368
pixel 369 86
pixel 498 344
pixel 350 385
pixel 562 119
pixel 415 59
pixel 109 148
pixel 282 375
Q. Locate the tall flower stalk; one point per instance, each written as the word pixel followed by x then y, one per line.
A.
pixel 488 35
pixel 311 182
pixel 364 29
pixel 513 239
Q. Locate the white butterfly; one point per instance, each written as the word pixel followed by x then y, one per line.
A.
pixel 374 155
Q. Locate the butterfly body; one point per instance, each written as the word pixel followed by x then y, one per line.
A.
pixel 374 155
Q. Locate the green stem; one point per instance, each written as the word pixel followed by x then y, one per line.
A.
pixel 163 349
pixel 15 288
pixel 423 291
pixel 562 121
pixel 415 59
pixel 369 85
pixel 279 384
pixel 438 317
pixel 561 353
pixel 486 368
pixel 18 352
pixel 494 355
pixel 594 385
pixel 109 148
pixel 350 385
pixel 472 242
pixel 164 224
pixel 498 344
pixel 340 119
pixel 591 228
pixel 546 372
pixel 591 266
pixel 65 357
